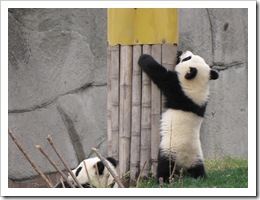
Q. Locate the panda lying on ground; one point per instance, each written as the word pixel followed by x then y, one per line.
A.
pixel 186 90
pixel 97 174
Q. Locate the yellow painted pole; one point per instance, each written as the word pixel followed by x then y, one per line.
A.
pixel 130 26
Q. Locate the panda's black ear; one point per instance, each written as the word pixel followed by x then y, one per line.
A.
pixel 213 74
pixel 100 167
pixel 112 161
pixel 192 73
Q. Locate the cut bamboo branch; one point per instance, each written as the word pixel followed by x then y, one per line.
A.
pixel 181 178
pixel 54 165
pixel 35 167
pixel 136 114
pixel 173 171
pixel 161 182
pixel 98 175
pixel 86 169
pixel 142 170
pixel 125 108
pixel 115 70
pixel 62 182
pixel 106 179
pixel 63 161
pixel 103 160
pixel 171 179
pixel 146 118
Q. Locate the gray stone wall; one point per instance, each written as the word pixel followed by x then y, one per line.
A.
pixel 57 84
pixel 220 37
pixel 57 81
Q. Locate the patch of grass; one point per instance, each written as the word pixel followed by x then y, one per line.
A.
pixel 226 172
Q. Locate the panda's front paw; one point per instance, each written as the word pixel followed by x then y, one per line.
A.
pixel 145 60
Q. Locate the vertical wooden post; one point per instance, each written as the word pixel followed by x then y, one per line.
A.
pixel 115 99
pixel 136 114
pixel 125 108
pixel 146 119
pixel 155 112
pixel 169 58
pixel 109 106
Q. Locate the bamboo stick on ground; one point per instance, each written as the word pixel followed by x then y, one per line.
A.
pixel 161 182
pixel 87 173
pixel 171 179
pixel 63 161
pixel 137 182
pixel 54 165
pixel 103 160
pixel 48 183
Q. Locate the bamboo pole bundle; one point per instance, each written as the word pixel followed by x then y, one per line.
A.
pixel 115 99
pixel 109 109
pixel 155 112
pixel 136 114
pixel 137 120
pixel 146 119
pixel 125 108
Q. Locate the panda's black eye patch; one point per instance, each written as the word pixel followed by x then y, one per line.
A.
pixel 186 59
pixel 78 170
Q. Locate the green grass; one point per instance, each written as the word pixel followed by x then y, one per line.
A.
pixel 222 173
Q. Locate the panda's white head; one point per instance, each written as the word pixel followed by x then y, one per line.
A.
pixel 97 172
pixel 194 75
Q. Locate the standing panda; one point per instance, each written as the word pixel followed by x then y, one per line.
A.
pixel 186 90
pixel 97 173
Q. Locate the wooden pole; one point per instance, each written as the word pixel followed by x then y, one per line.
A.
pixel 115 99
pixel 49 138
pixel 103 160
pixel 109 106
pixel 55 165
pixel 136 114
pixel 146 119
pixel 155 112
pixel 125 108
pixel 35 167
pixel 169 58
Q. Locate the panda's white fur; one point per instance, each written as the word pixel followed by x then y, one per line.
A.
pixel 180 137
pixel 197 88
pixel 96 180
pixel 186 90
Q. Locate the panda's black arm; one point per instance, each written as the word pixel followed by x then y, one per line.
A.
pixel 153 69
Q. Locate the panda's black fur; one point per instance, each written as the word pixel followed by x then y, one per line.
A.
pixel 180 102
pixel 96 169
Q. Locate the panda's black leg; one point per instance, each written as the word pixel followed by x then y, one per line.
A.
pixel 197 171
pixel 164 167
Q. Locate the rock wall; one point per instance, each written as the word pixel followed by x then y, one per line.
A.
pixel 57 84
pixel 57 81
pixel 220 37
